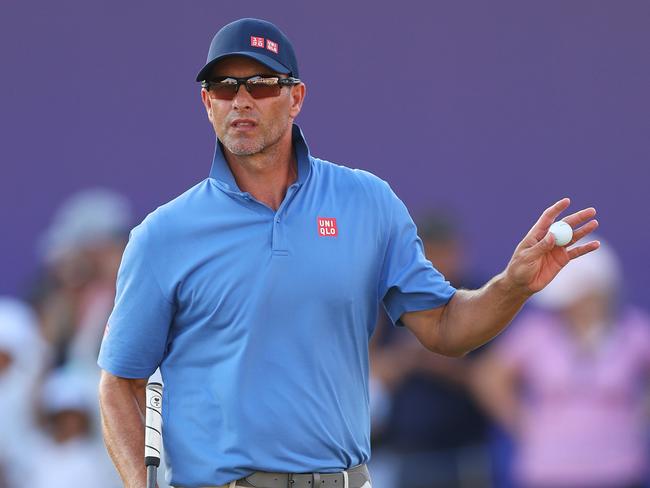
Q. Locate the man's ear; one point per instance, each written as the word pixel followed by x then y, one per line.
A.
pixel 207 103
pixel 297 95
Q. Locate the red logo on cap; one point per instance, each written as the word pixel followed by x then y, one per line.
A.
pixel 272 46
pixel 257 41
pixel 327 227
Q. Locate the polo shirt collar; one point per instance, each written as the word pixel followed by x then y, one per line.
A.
pixel 220 170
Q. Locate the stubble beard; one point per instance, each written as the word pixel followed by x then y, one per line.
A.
pixel 244 148
pixel 249 147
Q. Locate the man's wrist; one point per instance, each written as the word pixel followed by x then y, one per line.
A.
pixel 510 289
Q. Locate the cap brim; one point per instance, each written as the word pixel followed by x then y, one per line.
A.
pixel 265 60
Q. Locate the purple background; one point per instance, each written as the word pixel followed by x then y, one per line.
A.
pixel 493 110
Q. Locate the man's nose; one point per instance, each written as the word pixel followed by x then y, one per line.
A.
pixel 243 99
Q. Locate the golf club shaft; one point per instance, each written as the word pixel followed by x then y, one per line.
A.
pixel 151 476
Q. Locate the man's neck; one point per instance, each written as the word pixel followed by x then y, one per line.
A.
pixel 268 174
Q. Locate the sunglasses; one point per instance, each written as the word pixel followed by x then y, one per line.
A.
pixel 226 87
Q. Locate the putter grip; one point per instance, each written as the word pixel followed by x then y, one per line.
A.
pixel 153 426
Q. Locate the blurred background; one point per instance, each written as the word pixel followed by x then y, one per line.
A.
pixel 479 115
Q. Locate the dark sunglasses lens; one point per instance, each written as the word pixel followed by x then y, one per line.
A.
pixel 260 90
pixel 223 91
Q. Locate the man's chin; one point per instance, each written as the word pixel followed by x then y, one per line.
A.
pixel 241 148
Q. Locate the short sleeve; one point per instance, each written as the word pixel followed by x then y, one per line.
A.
pixel 136 334
pixel 408 281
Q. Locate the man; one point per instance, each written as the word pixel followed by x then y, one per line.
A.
pixel 256 292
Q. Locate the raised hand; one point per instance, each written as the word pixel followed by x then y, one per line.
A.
pixel 537 260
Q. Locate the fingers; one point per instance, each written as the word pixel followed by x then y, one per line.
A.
pixel 543 246
pixel 547 243
pixel 540 229
pixel 584 249
pixel 588 228
pixel 575 219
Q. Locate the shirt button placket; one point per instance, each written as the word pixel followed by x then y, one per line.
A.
pixel 278 241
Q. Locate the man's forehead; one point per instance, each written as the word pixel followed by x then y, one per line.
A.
pixel 240 66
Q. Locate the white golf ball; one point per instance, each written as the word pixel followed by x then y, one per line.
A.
pixel 562 232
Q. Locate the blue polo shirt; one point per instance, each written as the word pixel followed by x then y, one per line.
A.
pixel 260 319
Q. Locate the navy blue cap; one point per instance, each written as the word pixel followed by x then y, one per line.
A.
pixel 256 39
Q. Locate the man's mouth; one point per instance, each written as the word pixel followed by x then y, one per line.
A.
pixel 243 124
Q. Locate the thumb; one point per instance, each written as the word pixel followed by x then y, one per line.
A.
pixel 543 246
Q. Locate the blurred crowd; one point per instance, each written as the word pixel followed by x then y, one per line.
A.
pixel 561 399
pixel 49 421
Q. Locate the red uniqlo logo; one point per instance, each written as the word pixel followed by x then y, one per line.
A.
pixel 257 41
pixel 272 46
pixel 327 227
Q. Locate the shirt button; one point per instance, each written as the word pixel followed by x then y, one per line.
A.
pixel 277 221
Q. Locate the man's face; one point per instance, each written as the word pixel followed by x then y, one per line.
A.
pixel 245 125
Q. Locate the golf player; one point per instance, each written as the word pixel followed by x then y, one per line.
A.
pixel 256 292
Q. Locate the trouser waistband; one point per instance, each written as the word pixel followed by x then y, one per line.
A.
pixel 355 477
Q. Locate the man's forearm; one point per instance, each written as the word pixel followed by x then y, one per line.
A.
pixel 470 318
pixel 473 317
pixel 122 408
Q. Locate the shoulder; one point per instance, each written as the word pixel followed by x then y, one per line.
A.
pixel 173 215
pixel 328 169
pixel 191 198
pixel 346 178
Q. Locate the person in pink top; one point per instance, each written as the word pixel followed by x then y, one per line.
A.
pixel 569 383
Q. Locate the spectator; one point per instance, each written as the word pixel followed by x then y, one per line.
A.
pixel 22 358
pixel 82 249
pixel 426 418
pixel 72 454
pixel 568 382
